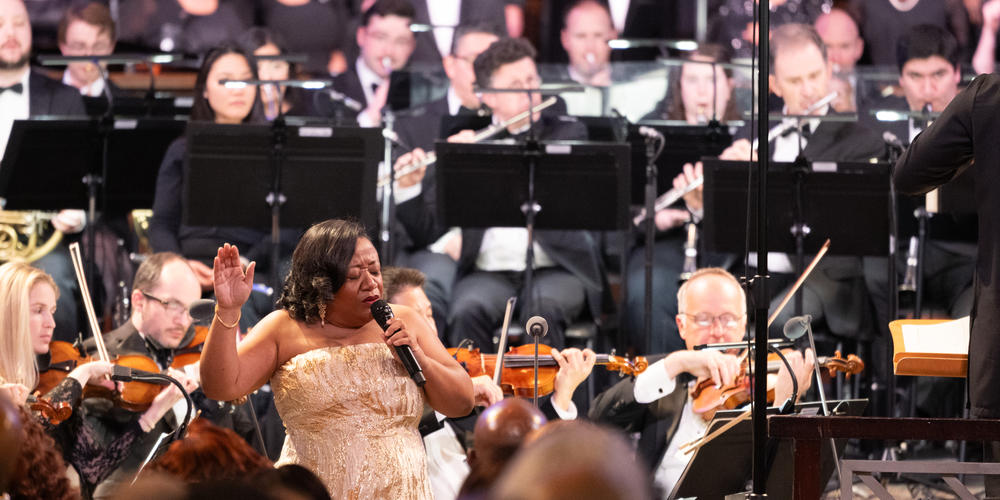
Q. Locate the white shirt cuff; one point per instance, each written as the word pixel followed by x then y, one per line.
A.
pixel 365 120
pixel 569 414
pixel 403 195
pixel 653 383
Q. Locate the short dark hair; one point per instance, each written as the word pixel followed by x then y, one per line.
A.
pixel 201 110
pixel 396 279
pixel 927 40
pixel 383 8
pixel 93 13
pixel 486 28
pixel 794 34
pixel 579 3
pixel 148 274
pixel 319 268
pixel 257 37
pixel 500 52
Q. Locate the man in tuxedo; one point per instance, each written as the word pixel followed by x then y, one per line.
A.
pixel 421 126
pixel 490 263
pixel 964 138
pixel 26 93
pixel 386 43
pixel 656 404
pixel 630 19
pixel 587 27
pixel 158 327
pixel 800 75
pixel 87 30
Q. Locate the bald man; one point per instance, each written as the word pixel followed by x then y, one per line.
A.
pixel 499 433
pixel 844 44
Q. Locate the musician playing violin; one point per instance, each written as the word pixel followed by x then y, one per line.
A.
pixel 27 304
pixel 447 440
pixel 158 327
pixel 657 404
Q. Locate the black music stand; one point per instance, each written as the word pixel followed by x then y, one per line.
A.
pixel 48 163
pixel 578 185
pixel 704 478
pixel 547 185
pixel 135 151
pixel 233 176
pixel 846 202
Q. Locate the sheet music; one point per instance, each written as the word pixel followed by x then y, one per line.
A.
pixel 950 337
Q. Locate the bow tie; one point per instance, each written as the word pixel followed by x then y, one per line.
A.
pixel 17 88
pixel 806 131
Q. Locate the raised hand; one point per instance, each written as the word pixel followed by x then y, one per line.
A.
pixel 232 283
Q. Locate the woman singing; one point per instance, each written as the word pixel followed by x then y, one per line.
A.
pixel 350 409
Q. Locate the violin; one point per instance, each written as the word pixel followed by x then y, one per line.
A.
pixel 190 353
pixel 706 397
pixel 518 374
pixel 133 396
pixel 54 413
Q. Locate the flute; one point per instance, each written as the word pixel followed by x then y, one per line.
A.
pixel 481 135
pixel 669 198
pixel 780 128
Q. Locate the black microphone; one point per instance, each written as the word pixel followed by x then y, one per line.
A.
pixel 382 314
pixel 202 310
pixel 650 133
pixel 891 139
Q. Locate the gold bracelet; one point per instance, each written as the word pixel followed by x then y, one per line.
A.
pixel 239 314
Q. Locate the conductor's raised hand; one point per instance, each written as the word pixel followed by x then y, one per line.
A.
pixel 232 283
pixel 396 334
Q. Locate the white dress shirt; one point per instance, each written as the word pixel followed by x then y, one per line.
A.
pixel 619 11
pixel 447 467
pixel 446 14
pixel 13 106
pixel 93 89
pixel 505 249
pixel 368 78
pixel 653 384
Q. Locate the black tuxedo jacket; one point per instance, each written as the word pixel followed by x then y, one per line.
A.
pixel 346 83
pixel 655 422
pixel 47 96
pixel 963 137
pixel 575 251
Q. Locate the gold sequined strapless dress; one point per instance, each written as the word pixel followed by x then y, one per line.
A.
pixel 351 416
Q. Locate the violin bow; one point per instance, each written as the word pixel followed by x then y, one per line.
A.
pixel 508 313
pixel 798 282
pixel 689 447
pixel 81 278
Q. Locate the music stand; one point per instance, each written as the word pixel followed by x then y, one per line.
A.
pixel 232 177
pixel 135 151
pixel 704 478
pixel 547 185
pixel 833 194
pixel 47 164
pixel 578 185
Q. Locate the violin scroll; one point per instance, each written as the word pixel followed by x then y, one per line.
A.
pixel 853 365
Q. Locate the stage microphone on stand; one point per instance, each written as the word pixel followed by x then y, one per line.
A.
pixel 794 328
pixel 537 327
pixel 382 314
pixel 894 145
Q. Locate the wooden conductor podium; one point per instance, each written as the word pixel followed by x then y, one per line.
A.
pixel 907 360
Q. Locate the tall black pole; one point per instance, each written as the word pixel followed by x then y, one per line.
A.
pixel 761 302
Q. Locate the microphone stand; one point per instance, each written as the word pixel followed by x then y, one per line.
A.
pixel 650 202
pixel 759 408
pixel 799 228
pixel 279 137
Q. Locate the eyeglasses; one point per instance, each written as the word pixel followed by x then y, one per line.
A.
pixel 171 306
pixel 706 320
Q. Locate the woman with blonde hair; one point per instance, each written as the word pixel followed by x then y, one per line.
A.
pixel 27 304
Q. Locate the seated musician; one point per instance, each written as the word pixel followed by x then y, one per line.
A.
pixel 213 102
pixel 27 306
pixel 447 440
pixel 26 93
pixel 568 275
pixel 711 309
pixel 88 30
pixel 701 92
pixel 159 328
pixel 800 75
